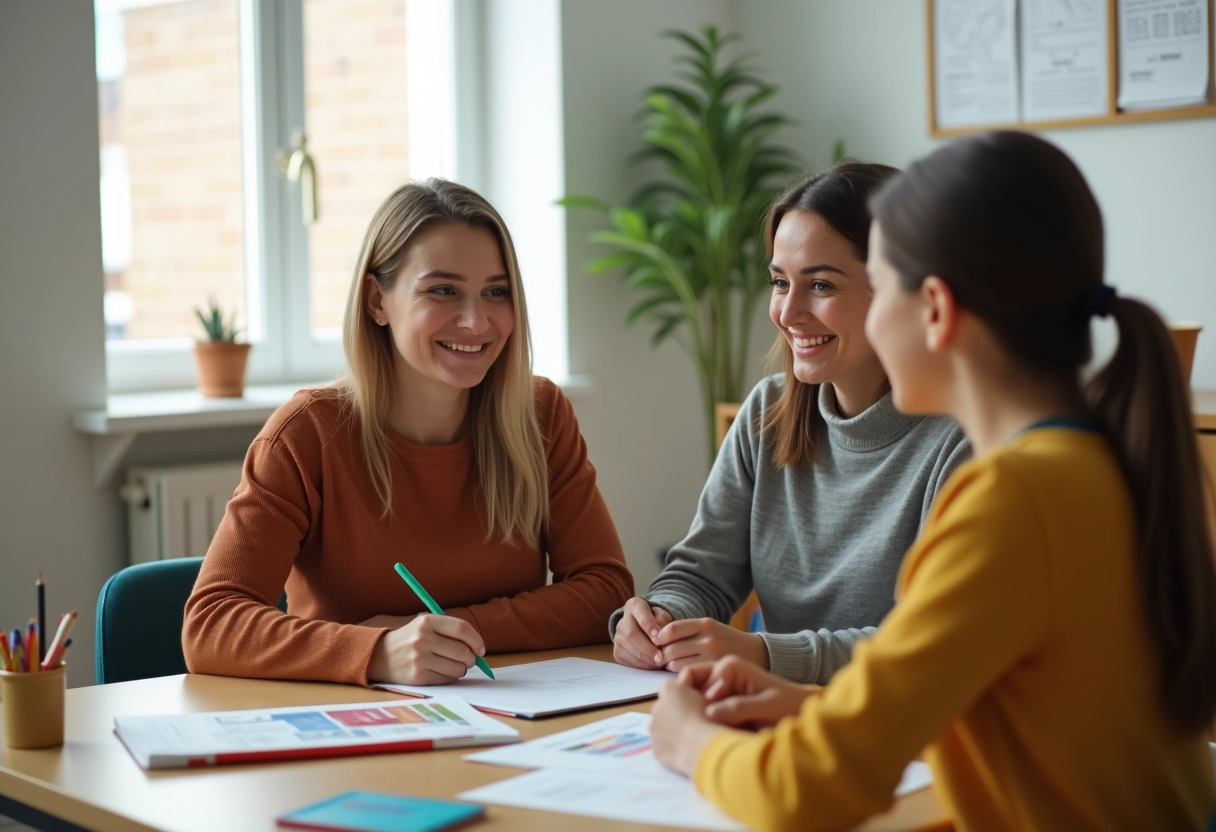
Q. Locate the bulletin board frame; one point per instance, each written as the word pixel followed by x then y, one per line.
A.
pixel 1113 114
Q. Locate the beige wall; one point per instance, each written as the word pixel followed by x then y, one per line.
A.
pixel 51 361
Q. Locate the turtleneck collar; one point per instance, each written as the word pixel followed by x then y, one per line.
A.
pixel 876 427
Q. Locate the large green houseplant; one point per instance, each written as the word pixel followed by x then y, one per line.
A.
pixel 689 240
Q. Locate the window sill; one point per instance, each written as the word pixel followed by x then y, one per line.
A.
pixel 126 415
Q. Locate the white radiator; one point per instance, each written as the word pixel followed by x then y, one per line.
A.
pixel 174 512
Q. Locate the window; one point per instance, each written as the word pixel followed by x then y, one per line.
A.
pixel 201 104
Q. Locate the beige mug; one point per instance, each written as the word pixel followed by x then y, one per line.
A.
pixel 33 707
pixel 1185 334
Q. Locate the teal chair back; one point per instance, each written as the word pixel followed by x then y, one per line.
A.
pixel 139 620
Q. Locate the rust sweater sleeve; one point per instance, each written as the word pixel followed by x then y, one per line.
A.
pixel 232 623
pixel 590 578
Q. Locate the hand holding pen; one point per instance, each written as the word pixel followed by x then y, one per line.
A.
pixel 430 650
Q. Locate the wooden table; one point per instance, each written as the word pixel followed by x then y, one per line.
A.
pixel 94 783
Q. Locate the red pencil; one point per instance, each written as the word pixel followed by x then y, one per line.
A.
pixel 31 647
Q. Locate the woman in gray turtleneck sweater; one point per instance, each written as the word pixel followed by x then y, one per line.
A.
pixel 821 484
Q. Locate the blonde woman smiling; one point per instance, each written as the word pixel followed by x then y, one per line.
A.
pixel 439 450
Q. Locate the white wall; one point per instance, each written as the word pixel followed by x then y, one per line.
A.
pixel 856 70
pixel 521 160
pixel 642 418
pixel 51 362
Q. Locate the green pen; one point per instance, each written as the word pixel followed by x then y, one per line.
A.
pixel 434 608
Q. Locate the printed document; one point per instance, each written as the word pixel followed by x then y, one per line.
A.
pixel 975 62
pixel 181 740
pixel 1163 53
pixel 606 769
pixel 1064 59
pixel 550 687
pixel 630 799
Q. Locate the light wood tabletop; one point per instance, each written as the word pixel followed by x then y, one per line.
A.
pixel 93 782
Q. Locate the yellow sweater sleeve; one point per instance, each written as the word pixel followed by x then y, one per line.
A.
pixel 974 600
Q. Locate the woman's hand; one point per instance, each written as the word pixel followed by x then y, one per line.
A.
pixel 430 650
pixel 739 694
pixel 635 643
pixel 696 640
pixel 679 730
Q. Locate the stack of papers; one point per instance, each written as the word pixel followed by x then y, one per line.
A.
pixel 183 740
pixel 607 769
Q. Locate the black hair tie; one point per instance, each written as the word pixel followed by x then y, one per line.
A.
pixel 1097 301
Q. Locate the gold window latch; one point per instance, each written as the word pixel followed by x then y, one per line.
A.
pixel 298 166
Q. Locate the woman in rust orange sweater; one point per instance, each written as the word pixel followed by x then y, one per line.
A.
pixel 440 450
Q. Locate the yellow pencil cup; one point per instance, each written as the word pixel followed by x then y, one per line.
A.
pixel 33 707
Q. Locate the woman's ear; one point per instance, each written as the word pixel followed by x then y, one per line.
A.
pixel 941 312
pixel 373 299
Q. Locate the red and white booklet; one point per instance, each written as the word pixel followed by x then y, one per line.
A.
pixel 208 739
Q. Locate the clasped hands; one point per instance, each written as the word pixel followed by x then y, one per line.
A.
pixel 722 682
pixel 648 638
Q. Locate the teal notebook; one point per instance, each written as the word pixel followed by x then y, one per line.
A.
pixel 375 812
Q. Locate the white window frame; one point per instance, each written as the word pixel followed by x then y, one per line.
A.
pixel 278 313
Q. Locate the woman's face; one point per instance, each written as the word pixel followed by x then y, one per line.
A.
pixel 895 326
pixel 819 303
pixel 450 311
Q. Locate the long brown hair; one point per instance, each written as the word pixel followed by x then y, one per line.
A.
pixel 840 196
pixel 1009 223
pixel 502 421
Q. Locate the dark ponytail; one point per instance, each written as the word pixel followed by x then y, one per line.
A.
pixel 1142 400
pixel 1009 223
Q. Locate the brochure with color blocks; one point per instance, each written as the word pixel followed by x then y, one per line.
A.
pixel 209 739
pixel 377 812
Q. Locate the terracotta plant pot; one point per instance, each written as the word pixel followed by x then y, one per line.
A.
pixel 221 367
pixel 1186 334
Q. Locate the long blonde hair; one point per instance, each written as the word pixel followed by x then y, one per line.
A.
pixel 501 419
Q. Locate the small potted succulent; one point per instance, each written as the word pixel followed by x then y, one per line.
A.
pixel 221 360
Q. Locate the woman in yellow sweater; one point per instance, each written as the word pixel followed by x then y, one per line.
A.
pixel 1052 649
pixel 439 450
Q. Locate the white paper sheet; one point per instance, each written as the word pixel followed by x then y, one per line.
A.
pixel 549 687
pixel 1163 53
pixel 1064 57
pixel 975 62
pixel 620 746
pixel 633 799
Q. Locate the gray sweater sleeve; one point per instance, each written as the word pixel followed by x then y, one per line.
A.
pixel 708 573
pixel 812 656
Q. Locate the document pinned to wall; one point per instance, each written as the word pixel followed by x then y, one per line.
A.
pixel 1163 53
pixel 975 65
pixel 1064 55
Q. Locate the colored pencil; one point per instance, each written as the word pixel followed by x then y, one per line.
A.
pixel 41 617
pixel 33 665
